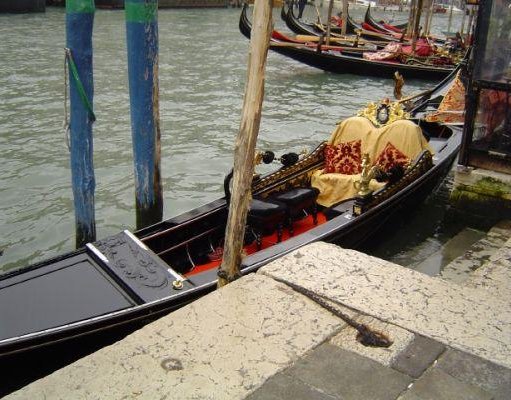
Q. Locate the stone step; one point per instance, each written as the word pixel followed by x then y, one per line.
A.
pixel 482 251
pixel 495 275
pixel 452 249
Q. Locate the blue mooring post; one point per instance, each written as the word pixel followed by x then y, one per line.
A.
pixel 142 44
pixel 79 22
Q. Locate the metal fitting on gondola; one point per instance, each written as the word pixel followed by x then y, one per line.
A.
pixel 364 191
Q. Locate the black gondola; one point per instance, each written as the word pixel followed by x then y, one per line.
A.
pixel 345 61
pixel 383 26
pixel 307 28
pixel 129 278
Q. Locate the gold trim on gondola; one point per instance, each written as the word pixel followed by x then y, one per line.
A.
pixel 383 113
pixel 368 173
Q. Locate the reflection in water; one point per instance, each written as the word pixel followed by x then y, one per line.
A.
pixel 202 76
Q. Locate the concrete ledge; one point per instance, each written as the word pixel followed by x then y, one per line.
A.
pixel 472 320
pixel 229 343
pixel 222 346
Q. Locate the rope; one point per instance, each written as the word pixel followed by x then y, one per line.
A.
pixel 79 85
pixel 365 335
pixel 66 120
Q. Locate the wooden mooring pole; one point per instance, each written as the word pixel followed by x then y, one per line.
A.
pixel 142 45
pixel 244 151
pixel 344 17
pixel 79 23
pixel 416 26
pixel 329 21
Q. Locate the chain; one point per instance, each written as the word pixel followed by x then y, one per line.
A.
pixel 365 335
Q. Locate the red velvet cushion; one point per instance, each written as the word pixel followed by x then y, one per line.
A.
pixel 391 156
pixel 344 158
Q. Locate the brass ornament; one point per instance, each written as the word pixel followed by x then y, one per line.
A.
pixel 367 174
pixel 258 158
pixel 383 113
pixel 177 284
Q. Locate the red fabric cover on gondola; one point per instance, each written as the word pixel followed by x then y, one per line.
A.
pixel 422 48
pixel 368 27
pixel 391 156
pixel 389 52
pixel 394 50
pixel 392 28
pixel 280 36
pixel 336 20
pixel 344 158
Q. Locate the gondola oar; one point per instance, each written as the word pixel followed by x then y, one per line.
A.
pixel 359 42
pixel 322 47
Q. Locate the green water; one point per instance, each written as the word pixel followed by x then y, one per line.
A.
pixel 203 62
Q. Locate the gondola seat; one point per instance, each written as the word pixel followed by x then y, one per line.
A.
pixel 265 217
pixel 401 139
pixel 298 201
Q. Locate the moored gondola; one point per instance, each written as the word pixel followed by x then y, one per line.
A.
pixel 382 25
pixel 318 28
pixel 129 278
pixel 351 61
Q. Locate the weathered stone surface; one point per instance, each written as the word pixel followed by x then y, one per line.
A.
pixel 495 277
pixel 437 385
pixel 347 339
pixel 223 346
pixel 418 356
pixel 285 387
pixel 494 379
pixel 484 250
pixel 471 320
pixel 347 375
pixel 450 251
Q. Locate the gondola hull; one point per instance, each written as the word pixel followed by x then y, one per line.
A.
pixel 368 19
pixel 304 28
pixel 345 64
pixel 350 233
pixel 342 63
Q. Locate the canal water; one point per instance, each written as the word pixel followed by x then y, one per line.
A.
pixel 203 62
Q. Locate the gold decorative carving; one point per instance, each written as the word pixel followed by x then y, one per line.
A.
pixel 258 158
pixel 422 164
pixel 384 112
pixel 294 175
pixel 367 174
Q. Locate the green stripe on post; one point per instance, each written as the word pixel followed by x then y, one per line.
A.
pixel 80 6
pixel 140 12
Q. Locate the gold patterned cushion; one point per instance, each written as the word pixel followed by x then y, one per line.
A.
pixel 343 158
pixel 452 107
pixel 391 156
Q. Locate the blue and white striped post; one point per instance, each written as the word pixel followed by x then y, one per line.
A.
pixel 79 22
pixel 142 44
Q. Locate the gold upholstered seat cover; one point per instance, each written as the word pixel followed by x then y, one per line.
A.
pixel 405 135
